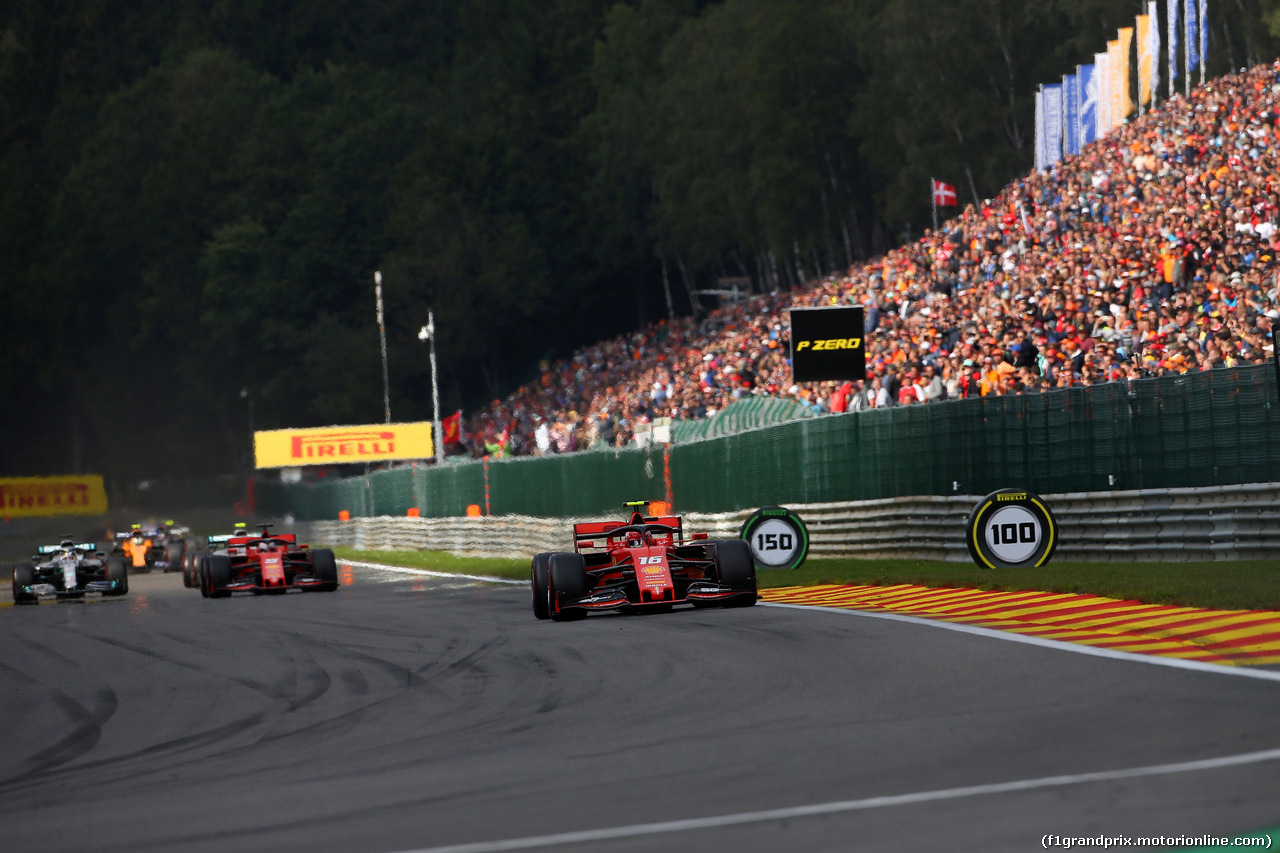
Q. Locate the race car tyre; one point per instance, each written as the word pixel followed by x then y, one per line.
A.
pixel 195 566
pixel 172 556
pixel 117 570
pixel 218 573
pixel 188 564
pixel 325 567
pixel 735 568
pixel 23 576
pixel 202 574
pixel 568 582
pixel 541 583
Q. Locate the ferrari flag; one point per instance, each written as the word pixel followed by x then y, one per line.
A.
pixel 29 496
pixel 451 428
pixel 339 445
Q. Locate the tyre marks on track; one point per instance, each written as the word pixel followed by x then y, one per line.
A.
pixel 1233 637
pixel 85 722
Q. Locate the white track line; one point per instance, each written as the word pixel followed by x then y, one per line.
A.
pixel 407 571
pixel 1059 645
pixel 644 829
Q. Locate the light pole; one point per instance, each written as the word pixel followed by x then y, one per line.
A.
pixel 250 501
pixel 248 398
pixel 382 335
pixel 428 334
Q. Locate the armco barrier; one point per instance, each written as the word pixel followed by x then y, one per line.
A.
pixel 1169 525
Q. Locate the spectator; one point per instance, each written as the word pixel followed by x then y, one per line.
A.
pixel 1152 252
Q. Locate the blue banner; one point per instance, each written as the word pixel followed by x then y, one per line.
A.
pixel 1070 114
pixel 1171 14
pixel 1192 37
pixel 1052 124
pixel 1204 32
pixel 1087 111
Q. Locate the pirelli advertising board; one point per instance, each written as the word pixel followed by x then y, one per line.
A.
pixel 342 445
pixel 31 496
pixel 826 343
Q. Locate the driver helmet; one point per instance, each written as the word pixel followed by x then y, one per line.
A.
pixel 635 539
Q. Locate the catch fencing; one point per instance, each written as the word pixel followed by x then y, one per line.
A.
pixel 739 416
pixel 1214 428
pixel 1166 525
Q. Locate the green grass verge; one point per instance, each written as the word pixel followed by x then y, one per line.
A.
pixel 439 561
pixel 1237 585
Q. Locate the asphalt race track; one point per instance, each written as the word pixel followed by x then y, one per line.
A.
pixel 404 713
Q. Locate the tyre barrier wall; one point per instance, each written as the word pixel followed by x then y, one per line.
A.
pixel 1167 525
pixel 1215 428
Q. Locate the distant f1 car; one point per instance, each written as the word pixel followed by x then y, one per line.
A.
pixel 266 563
pixel 641 565
pixel 216 544
pixel 169 546
pixel 69 570
pixel 146 550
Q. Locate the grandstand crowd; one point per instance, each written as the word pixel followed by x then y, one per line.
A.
pixel 1152 252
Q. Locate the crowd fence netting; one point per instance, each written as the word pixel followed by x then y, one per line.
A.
pixel 1219 427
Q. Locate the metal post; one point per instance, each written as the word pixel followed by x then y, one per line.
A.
pixel 666 477
pixel 933 197
pixel 248 398
pixel 382 335
pixel 435 390
pixel 1275 355
pixel 428 334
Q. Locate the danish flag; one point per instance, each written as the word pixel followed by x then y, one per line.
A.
pixel 944 195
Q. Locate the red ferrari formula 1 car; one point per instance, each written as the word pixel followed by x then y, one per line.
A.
pixel 266 563
pixel 643 564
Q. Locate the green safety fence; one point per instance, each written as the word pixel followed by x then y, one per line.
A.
pixel 1214 428
pixel 740 415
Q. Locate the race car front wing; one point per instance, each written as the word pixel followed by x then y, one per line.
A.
pixel 91 586
pixel 616 598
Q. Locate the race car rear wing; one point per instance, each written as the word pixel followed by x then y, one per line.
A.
pixel 53 549
pixel 586 533
pixel 250 538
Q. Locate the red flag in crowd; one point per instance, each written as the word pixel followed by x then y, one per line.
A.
pixel 944 195
pixel 451 427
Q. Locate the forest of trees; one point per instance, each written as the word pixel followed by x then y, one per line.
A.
pixel 196 193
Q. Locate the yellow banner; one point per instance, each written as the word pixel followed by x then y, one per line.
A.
pixel 1116 72
pixel 341 445
pixel 1126 50
pixel 28 496
pixel 1145 60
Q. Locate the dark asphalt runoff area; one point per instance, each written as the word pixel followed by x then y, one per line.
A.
pixel 403 713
